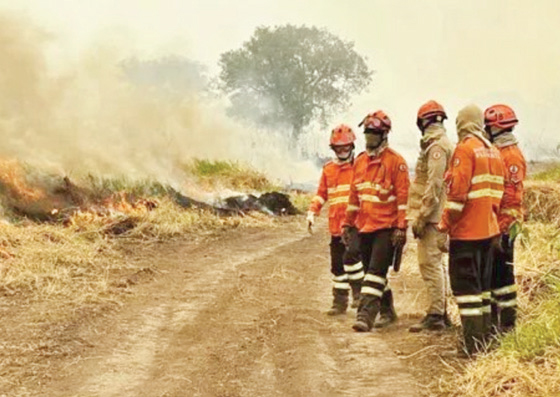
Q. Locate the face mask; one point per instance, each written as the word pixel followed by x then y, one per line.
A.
pixel 374 139
pixel 493 132
pixel 343 153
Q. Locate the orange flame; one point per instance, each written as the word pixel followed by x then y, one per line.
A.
pixel 12 177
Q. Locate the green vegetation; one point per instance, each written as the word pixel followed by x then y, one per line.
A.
pixel 229 174
pixel 139 187
pixel 551 173
pixel 537 338
pixel 301 200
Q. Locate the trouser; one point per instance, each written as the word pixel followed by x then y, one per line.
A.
pixel 377 254
pixel 432 269
pixel 346 267
pixel 504 290
pixel 470 271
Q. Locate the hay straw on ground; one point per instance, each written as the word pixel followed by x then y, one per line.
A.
pixel 542 201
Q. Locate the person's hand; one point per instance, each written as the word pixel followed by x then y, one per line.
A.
pixel 514 230
pixel 310 221
pixel 443 242
pixel 418 228
pixel 496 244
pixel 399 237
pixel 347 231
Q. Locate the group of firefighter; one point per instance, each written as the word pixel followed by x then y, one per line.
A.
pixel 465 201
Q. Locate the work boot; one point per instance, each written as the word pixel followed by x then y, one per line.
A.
pixel 432 322
pixel 340 302
pixel 368 309
pixel 473 334
pixel 508 317
pixel 356 287
pixel 387 313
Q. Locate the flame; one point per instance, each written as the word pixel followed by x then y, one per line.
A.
pixel 13 179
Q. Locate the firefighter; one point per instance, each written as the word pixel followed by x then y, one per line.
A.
pixel 475 184
pixel 377 208
pixel 425 205
pixel 499 122
pixel 334 188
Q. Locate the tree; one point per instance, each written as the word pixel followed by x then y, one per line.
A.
pixel 290 76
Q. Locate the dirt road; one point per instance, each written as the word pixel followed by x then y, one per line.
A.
pixel 242 314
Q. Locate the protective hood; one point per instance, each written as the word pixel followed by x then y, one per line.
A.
pixel 433 132
pixel 505 139
pixel 470 121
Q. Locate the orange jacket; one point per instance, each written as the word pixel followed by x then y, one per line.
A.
pixel 475 184
pixel 334 187
pixel 515 168
pixel 379 192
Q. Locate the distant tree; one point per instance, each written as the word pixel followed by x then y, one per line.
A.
pixel 288 76
pixel 173 74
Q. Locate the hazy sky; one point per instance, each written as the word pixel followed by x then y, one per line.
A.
pixel 454 51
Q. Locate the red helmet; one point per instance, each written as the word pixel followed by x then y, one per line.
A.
pixel 342 135
pixel 431 109
pixel 500 116
pixel 377 120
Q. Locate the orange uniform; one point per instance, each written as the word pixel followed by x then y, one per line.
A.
pixel 515 168
pixel 379 192
pixel 334 188
pixel 475 183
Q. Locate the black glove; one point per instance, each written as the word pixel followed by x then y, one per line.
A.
pixel 345 234
pixel 496 244
pixel 348 233
pixel 399 237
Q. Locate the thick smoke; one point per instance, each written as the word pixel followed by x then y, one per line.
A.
pixel 92 118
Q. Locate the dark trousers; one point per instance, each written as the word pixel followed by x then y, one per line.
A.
pixel 377 256
pixel 347 270
pixel 504 290
pixel 342 256
pixel 470 271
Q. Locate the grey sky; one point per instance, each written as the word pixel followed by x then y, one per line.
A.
pixel 454 51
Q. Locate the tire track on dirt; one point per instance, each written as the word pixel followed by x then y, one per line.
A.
pixel 241 315
pixel 267 335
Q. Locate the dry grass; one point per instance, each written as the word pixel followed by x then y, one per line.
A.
pixel 542 201
pixel 527 362
pixel 301 200
pixel 51 261
pixel 75 262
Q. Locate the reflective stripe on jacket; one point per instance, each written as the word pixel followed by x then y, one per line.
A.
pixel 379 192
pixel 515 169
pixel 334 188
pixel 475 185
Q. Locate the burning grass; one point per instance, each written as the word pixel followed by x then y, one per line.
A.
pixel 59 239
pixel 527 361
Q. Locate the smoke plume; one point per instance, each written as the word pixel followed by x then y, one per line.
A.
pixel 92 118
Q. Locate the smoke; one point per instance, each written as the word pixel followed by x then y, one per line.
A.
pixel 91 118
